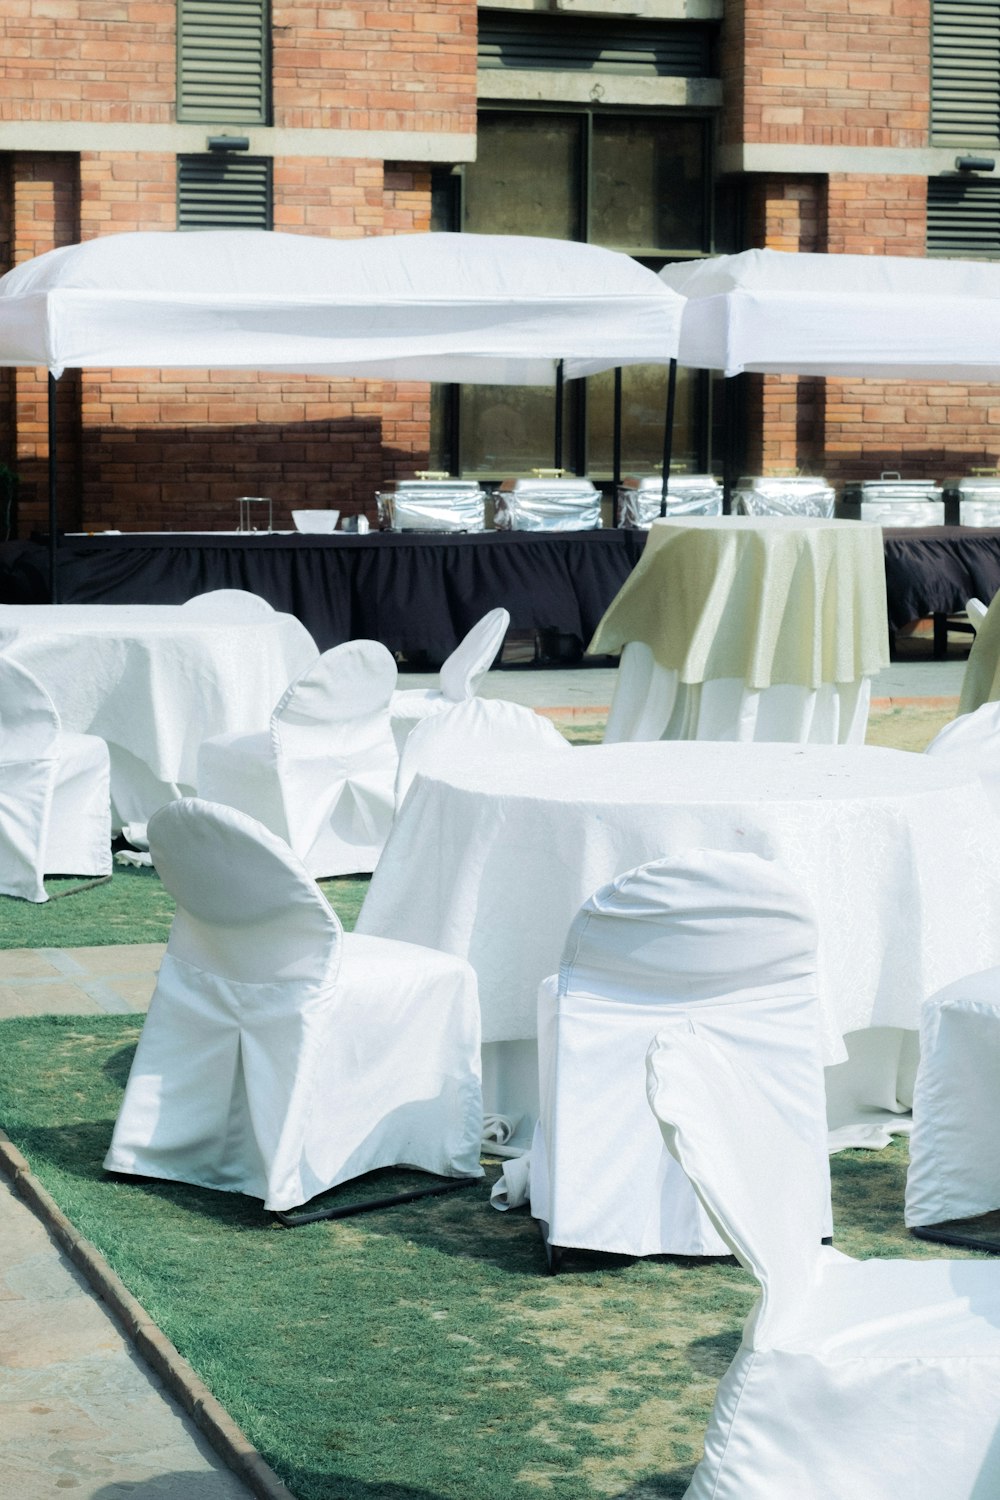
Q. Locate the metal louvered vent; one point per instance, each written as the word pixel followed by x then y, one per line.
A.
pixel 567 44
pixel 223 61
pixel 963 218
pixel 223 192
pixel 965 72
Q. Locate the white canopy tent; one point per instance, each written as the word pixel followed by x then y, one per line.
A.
pixel 490 309
pixel 879 316
pixel 485 309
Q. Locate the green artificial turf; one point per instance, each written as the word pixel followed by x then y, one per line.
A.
pixel 421 1352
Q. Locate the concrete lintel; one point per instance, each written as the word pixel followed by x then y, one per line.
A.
pixel 541 85
pixel 891 161
pixel 265 140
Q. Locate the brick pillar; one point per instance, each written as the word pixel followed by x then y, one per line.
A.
pixel 45 213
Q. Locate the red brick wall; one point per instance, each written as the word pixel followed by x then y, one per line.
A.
pixel 844 72
pixel 87 60
pixel 403 65
pixel 139 450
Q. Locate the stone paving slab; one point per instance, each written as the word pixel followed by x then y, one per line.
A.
pixel 80 1414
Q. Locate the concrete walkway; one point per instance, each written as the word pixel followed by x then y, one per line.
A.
pixel 80 1414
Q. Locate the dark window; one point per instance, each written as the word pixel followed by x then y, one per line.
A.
pixel 634 182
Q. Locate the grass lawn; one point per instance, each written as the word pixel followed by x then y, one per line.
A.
pixel 421 1352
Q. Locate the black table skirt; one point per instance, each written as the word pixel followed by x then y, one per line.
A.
pixel 414 593
pixel 419 593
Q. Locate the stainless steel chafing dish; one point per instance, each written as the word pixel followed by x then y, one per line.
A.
pixel 786 495
pixel 639 500
pixel 974 500
pixel 892 501
pixel 547 502
pixel 432 502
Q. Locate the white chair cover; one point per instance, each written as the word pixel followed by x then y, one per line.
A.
pixel 975 735
pixel 651 703
pixel 976 611
pixel 707 928
pixel 279 1056
pixel 474 730
pixel 55 803
pixel 459 678
pixel 870 1378
pixel 954 1170
pixel 228 604
pixel 322 778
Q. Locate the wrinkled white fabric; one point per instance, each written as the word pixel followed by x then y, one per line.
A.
pixel 899 854
pixel 976 736
pixel 892 316
pixel 954 1169
pixel 477 733
pixel 152 681
pixel 322 777
pixel 55 810
pixel 228 604
pixel 868 1378
pixel 280 1057
pixel 672 936
pixel 651 703
pixel 765 600
pixel 459 678
pixel 495 309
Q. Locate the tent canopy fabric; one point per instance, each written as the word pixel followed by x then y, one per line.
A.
pixel 489 309
pixel 893 317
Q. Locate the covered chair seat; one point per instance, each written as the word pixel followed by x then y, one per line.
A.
pixel 954 1168
pixel 458 680
pixel 280 1056
pixel 322 776
pixel 706 929
pixel 854 1378
pixel 55 797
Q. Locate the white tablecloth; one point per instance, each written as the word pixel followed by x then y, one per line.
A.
pixel 153 683
pixel 899 852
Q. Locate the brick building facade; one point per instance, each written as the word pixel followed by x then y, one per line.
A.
pixel 793 124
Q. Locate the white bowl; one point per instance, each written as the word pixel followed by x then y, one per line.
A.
pixel 315 520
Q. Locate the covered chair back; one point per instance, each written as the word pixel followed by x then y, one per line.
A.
pixel 233 605
pixel 705 930
pixel 280 1057
pixel 475 730
pixel 465 668
pixel 975 735
pixel 322 775
pixel 746 1141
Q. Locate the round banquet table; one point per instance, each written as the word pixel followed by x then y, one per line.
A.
pixel 899 852
pixel 748 628
pixel 154 682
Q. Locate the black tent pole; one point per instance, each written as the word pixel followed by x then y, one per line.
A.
pixel 616 442
pixel 53 505
pixel 668 434
pixel 559 416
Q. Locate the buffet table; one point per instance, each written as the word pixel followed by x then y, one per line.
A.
pixel 420 592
